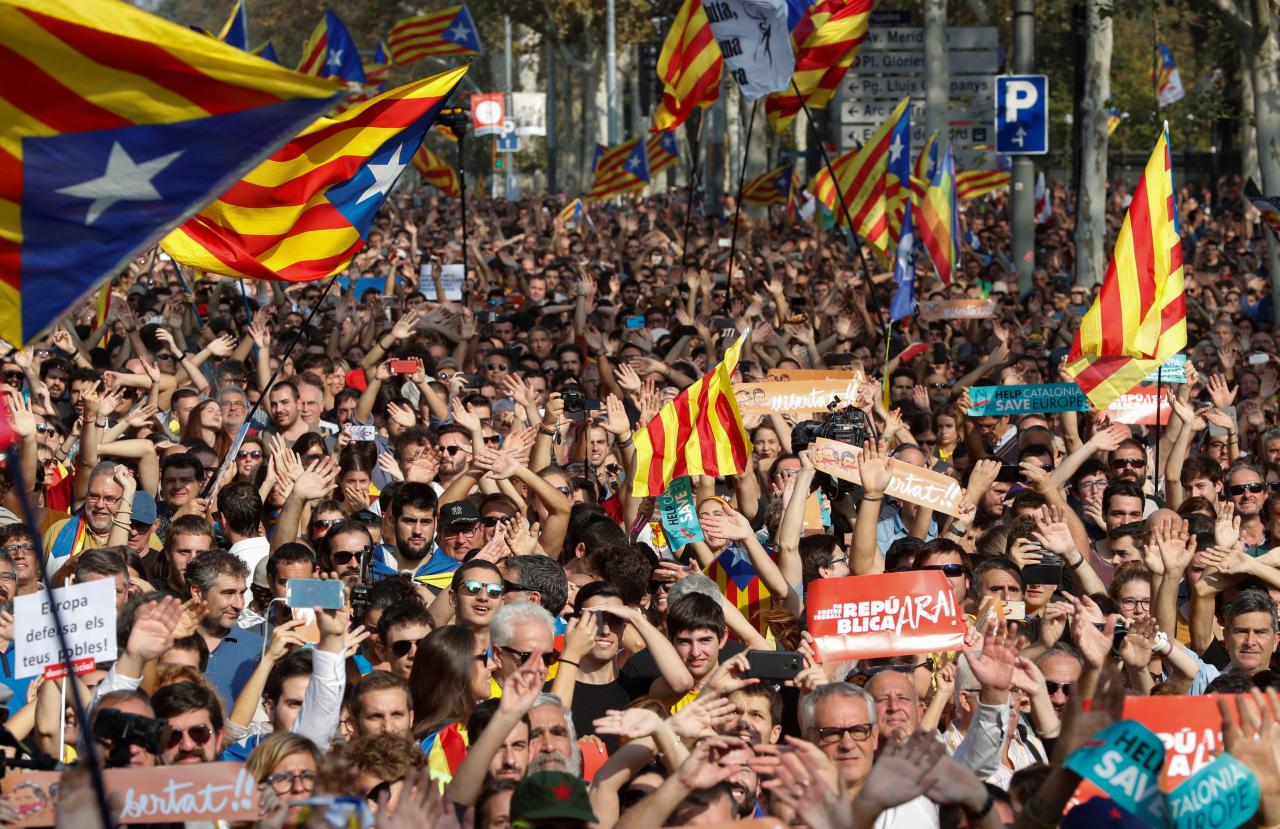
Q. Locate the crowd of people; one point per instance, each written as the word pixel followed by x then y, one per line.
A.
pixel 516 634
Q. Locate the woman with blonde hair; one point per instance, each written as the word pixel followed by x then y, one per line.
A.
pixel 287 764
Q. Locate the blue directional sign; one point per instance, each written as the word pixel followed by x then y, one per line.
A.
pixel 508 140
pixel 1022 114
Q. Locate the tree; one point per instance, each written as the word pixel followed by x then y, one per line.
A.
pixel 1091 225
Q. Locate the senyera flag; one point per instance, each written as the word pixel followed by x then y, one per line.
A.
pixel 117 126
pixel 304 213
pixel 891 614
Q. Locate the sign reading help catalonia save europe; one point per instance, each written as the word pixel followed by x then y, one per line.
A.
pixel 1017 400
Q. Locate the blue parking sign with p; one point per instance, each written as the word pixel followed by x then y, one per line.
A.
pixel 1022 114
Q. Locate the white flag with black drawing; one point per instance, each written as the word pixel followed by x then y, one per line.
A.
pixel 755 41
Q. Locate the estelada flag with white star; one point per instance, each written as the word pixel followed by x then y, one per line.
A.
pixel 331 53
pixel 118 125
pixel 619 169
pixel 304 213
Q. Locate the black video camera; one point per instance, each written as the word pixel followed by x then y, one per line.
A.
pixel 119 731
pixel 576 405
pixel 847 424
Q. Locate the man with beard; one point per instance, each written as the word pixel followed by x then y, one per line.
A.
pixel 1247 489
pixel 553 743
pixel 218 579
pixel 91 528
pixel 343 550
pixel 286 417
pixel 498 732
pixel 195 719
pixel 413 521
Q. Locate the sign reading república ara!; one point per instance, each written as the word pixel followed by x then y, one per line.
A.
pixel 679 514
pixel 1042 398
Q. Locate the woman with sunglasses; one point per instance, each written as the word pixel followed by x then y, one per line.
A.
pixel 248 458
pixel 326 514
pixel 450 674
pixel 286 764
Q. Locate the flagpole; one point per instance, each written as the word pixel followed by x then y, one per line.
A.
pixel 737 202
pixel 693 178
pixel 844 206
pixel 1156 472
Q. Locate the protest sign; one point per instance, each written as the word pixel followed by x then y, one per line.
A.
pixel 451 277
pixel 1173 371
pixel 1139 407
pixel 817 513
pixel 811 374
pixel 915 484
pixel 794 396
pixel 1223 795
pixel 1040 398
pixel 756 44
pixel 679 514
pixel 956 309
pixel 88 615
pixel 1124 761
pixel 891 614
pixel 154 794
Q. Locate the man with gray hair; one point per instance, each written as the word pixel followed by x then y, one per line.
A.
pixel 553 742
pixel 217 578
pixel 536 579
pixel 91 526
pixel 517 632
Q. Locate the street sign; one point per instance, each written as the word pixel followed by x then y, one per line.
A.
pixel 959 37
pixel 1022 114
pixel 508 139
pixel 976 87
pixel 958 63
pixel 488 111
pixel 963 135
pixel 862 111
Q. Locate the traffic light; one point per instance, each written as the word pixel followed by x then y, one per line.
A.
pixel 650 85
pixel 499 162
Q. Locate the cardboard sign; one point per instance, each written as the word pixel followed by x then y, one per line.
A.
pixel 88 614
pixel 1124 761
pixel 157 794
pixel 915 484
pixel 451 278
pixel 956 309
pixel 1173 371
pixel 783 375
pixel 679 513
pixel 1139 407
pixel 891 614
pixel 817 513
pixel 1041 398
pixel 794 396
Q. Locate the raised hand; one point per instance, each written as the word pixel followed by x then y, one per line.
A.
pixel 153 628
pixel 873 469
pixel 616 422
pixel 632 723
pixel 318 480
pixel 731 525
pixel 1220 393
pixel 994 666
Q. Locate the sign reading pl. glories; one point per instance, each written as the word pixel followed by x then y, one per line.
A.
pixel 1041 398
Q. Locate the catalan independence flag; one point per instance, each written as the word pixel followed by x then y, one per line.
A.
pixel 689 65
pixel 1168 81
pixel 450 31
pixel 700 432
pixel 825 42
pixel 331 53
pixel 663 151
pixel 620 169
pixel 235 32
pixel 897 182
pixel 267 51
pixel 437 172
pixel 375 74
pixel 970 184
pixel 574 212
pixel 109 139
pixel 741 585
pixel 1268 206
pixel 862 176
pixel 770 187
pixel 1113 121
pixel 939 225
pixel 1139 319
pixel 303 213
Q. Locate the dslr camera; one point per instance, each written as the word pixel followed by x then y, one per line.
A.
pixel 576 405
pixel 846 424
pixel 120 731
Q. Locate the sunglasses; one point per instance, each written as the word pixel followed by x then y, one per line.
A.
pixel 165 356
pixel 897 669
pixel 496 366
pixel 328 522
pixel 1241 489
pixel 452 450
pixel 44 427
pixel 549 658
pixel 493 440
pixel 1132 463
pixel 346 556
pixel 1055 687
pixel 15 378
pixel 950 570
pixel 472 587
pixel 199 734
pixel 401 649
pixel 256 454
pixel 495 520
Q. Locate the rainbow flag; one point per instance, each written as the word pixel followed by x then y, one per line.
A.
pixel 620 169
pixel 109 139
pixel 449 31
pixel 235 32
pixel 700 432
pixel 689 65
pixel 663 151
pixel 331 53
pixel 1139 319
pixel 939 225
pixel 304 213
pixel 825 41
pixel 437 172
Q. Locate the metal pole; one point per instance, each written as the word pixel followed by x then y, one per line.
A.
pixel 737 202
pixel 553 148
pixel 462 207
pixel 507 87
pixel 937 83
pixel 1022 201
pixel 611 70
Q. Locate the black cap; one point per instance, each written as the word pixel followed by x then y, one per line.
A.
pixel 459 512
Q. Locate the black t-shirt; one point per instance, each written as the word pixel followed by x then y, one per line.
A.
pixel 591 702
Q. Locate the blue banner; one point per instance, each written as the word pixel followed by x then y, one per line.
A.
pixel 679 514
pixel 1018 400
pixel 1222 795
pixel 1125 762
pixel 1173 371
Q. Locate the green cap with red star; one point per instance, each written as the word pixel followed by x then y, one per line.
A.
pixel 550 795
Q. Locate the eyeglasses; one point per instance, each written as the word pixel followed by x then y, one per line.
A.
pixel 108 500
pixel 564 490
pixel 472 587
pixel 549 658
pixel 199 734
pixel 44 427
pixel 839 560
pixel 924 442
pixel 401 648
pixel 485 655
pixel 897 669
pixel 12 550
pixel 835 734
pixel 1274 486
pixel 327 522
pixel 1134 604
pixel 949 570
pixel 15 378
pixel 1055 687
pixel 1241 489
pixel 1132 463
pixel 282 781
pixel 1089 486
pixel 345 556
pixel 256 454
pixel 164 356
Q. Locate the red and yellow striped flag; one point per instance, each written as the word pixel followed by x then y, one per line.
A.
pixel 700 432
pixel 663 151
pixel 436 172
pixel 825 42
pixel 450 31
pixel 1139 319
pixel 862 175
pixel 620 169
pixel 689 66
pixel 973 183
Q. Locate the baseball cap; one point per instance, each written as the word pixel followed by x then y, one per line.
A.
pixel 144 508
pixel 459 512
pixel 260 574
pixel 550 795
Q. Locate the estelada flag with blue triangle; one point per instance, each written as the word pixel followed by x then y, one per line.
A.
pixel 375 74
pixel 663 151
pixel 741 585
pixel 117 126
pixel 305 212
pixel 331 53
pixel 620 169
pixel 235 32
pixel 267 51
pixel 770 187
pixel 449 31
